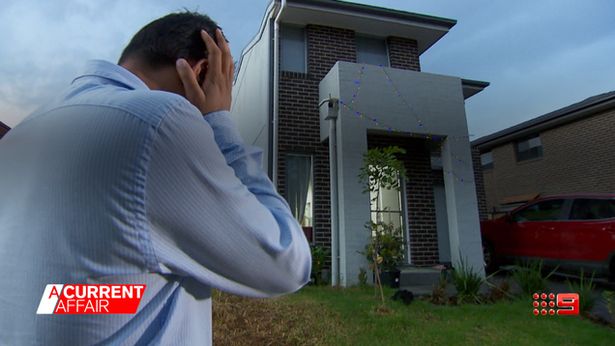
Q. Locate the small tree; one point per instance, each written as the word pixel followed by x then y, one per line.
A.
pixel 382 170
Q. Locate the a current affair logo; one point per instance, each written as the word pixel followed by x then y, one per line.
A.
pixel 555 304
pixel 90 299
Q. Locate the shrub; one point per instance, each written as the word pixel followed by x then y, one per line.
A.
pixel 529 277
pixel 362 277
pixel 319 256
pixel 386 245
pixel 499 291
pixel 438 294
pixel 382 170
pixel 585 288
pixel 609 297
pixel 467 282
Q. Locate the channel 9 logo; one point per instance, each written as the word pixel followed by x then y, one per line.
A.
pixel 555 304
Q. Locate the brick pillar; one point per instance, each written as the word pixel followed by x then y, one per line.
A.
pixel 403 53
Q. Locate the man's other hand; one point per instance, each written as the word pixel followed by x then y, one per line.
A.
pixel 215 92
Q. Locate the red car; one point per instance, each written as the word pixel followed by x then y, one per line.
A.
pixel 569 231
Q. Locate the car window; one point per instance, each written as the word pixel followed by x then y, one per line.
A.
pixel 592 209
pixel 541 211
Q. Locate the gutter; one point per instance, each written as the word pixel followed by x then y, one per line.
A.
pixel 372 10
pixel 332 114
pixel 510 134
pixel 276 90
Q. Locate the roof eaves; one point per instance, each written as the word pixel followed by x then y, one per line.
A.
pixel 377 10
pixel 548 117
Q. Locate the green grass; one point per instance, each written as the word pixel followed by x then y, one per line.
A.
pixel 330 316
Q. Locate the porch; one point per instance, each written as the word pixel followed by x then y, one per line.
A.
pixel 370 105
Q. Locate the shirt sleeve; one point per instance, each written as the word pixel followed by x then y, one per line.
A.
pixel 213 213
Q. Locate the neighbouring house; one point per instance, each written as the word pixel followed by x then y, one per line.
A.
pixel 321 82
pixel 570 150
pixel 4 128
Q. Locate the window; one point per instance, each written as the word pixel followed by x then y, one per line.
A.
pixel 592 209
pixel 372 51
pixel 292 49
pixel 529 148
pixel 436 161
pixel 386 206
pixel 300 190
pixel 542 211
pixel 486 160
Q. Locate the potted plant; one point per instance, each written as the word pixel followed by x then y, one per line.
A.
pixel 382 170
pixel 319 256
pixel 386 248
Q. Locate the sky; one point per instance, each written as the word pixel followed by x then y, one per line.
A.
pixel 538 55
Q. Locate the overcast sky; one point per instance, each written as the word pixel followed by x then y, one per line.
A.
pixel 538 55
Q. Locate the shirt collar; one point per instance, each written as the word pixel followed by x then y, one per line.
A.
pixel 113 72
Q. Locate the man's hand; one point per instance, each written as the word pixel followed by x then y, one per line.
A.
pixel 215 92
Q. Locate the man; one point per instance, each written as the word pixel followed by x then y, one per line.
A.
pixel 136 174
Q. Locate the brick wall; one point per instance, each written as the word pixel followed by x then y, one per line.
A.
pixel 577 157
pixel 298 132
pixel 403 53
pixel 419 196
pixel 299 123
pixel 480 185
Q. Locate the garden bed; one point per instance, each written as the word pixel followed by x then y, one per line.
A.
pixel 333 316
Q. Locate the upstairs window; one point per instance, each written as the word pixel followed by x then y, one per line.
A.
pixel 292 49
pixel 529 148
pixel 486 160
pixel 372 51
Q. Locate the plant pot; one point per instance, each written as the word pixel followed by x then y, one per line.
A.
pixel 390 278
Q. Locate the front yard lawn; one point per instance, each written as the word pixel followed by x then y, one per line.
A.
pixel 335 316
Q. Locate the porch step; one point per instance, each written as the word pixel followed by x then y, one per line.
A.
pixel 418 291
pixel 418 277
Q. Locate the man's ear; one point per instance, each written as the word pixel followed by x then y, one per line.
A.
pixel 200 69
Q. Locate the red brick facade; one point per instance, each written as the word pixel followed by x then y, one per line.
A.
pixel 298 132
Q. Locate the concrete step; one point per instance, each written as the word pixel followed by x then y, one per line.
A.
pixel 418 291
pixel 418 277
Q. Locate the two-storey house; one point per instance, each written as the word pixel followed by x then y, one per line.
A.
pixel 321 82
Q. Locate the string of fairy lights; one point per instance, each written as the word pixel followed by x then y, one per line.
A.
pixel 351 107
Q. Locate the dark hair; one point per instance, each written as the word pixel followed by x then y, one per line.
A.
pixel 174 36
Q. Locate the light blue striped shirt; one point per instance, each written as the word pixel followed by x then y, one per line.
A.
pixel 115 183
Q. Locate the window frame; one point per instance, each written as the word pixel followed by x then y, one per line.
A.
pixel 305 49
pixel 518 153
pixel 489 165
pixel 369 37
pixel 312 180
pixel 403 216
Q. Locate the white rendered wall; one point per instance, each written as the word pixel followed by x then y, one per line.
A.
pixel 252 96
pixel 399 102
